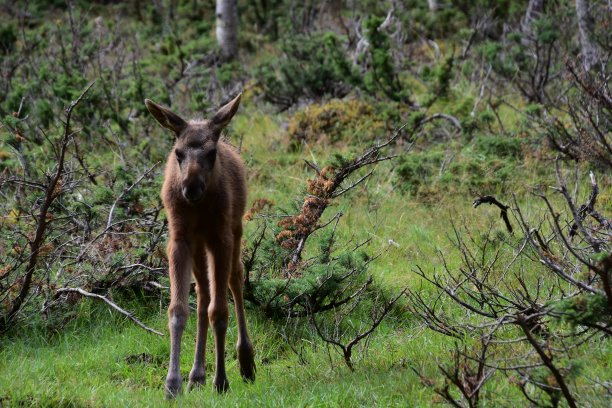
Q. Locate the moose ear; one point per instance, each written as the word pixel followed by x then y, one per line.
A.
pixel 166 117
pixel 225 114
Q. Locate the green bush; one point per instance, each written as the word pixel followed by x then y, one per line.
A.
pixel 416 170
pixel 583 309
pixel 382 75
pixel 498 146
pixel 309 67
pixel 340 120
pixel 8 38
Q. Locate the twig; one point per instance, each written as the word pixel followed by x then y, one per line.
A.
pixel 124 192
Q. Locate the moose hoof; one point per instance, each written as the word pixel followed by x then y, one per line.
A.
pixel 246 360
pixel 195 384
pixel 197 378
pixel 173 387
pixel 221 385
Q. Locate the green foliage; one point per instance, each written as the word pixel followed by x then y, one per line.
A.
pixel 8 37
pixel 415 170
pixel 488 163
pixel 309 67
pixel 440 80
pixel 499 146
pixel 382 76
pixel 319 285
pixel 584 309
pixel 529 58
pixel 349 121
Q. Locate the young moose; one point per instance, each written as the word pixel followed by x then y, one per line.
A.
pixel 204 194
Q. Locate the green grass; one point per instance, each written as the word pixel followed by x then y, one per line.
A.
pixel 98 364
pixel 102 360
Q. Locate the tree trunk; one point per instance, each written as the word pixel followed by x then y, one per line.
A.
pixel 590 52
pixel 433 5
pixel 227 28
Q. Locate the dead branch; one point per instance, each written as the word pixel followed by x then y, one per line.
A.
pixel 347 350
pixel 325 187
pixel 129 315
pixel 546 359
pixel 503 208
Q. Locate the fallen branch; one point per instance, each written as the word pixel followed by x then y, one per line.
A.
pixel 130 315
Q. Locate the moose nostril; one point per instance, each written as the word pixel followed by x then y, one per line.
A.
pixel 192 192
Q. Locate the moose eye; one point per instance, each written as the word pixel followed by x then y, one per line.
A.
pixel 179 155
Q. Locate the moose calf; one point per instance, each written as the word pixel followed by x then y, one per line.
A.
pixel 204 194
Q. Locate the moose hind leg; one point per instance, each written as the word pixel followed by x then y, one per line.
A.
pixel 180 276
pixel 217 309
pixel 244 347
pixel 197 376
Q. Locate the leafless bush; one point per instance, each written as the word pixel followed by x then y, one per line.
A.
pixel 533 300
pixel 467 372
pixel 345 339
pixel 580 130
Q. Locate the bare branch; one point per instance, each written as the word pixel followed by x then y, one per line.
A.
pixel 492 200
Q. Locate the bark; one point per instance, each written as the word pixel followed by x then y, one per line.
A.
pixel 227 28
pixel 590 52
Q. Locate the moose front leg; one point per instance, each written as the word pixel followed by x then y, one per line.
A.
pixel 218 310
pixel 197 376
pixel 180 261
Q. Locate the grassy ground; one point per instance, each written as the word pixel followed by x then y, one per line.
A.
pixel 104 361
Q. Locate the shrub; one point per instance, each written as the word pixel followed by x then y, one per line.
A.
pixel 335 121
pixel 382 75
pixel 8 38
pixel 416 170
pixel 309 67
pixel 487 164
pixel 498 146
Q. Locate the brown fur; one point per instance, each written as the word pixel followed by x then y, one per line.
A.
pixel 205 197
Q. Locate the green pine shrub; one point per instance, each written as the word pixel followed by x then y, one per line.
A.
pixel 309 67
